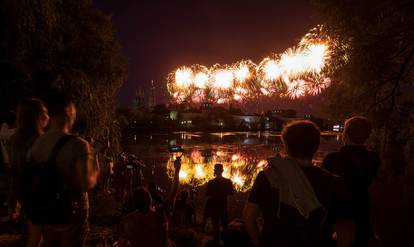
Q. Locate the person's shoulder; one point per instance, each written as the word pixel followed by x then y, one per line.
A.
pixel 227 180
pixel 78 141
pixel 261 178
pixel 74 148
pixel 333 160
pixel 261 189
pixel 79 144
pixel 262 174
pixel 213 182
pixel 228 183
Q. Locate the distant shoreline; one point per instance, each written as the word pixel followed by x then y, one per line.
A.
pixel 212 131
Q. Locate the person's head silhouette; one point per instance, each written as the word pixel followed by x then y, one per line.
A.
pixel 301 139
pixel 218 170
pixel 62 111
pixel 356 130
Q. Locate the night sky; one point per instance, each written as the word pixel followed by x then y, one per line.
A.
pixel 158 36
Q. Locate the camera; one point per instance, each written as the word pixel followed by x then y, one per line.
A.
pixel 133 162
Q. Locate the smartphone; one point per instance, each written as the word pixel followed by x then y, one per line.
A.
pixel 159 189
pixel 176 152
pixel 175 149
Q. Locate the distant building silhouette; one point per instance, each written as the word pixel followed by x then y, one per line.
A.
pixel 139 101
pixel 286 113
pixel 206 107
pixel 151 100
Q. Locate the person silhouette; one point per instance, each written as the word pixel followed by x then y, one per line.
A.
pixel 218 189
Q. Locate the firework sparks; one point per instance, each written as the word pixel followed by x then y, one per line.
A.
pixel 272 70
pixel 293 62
pixel 237 97
pixel 264 91
pixel 262 164
pixel 317 87
pixel 242 73
pixel 223 79
pixel 316 57
pixel 297 72
pixel 235 157
pixel 201 80
pixel 198 96
pixel 183 77
pixel 296 89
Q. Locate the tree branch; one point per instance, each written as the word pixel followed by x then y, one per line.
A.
pixel 400 75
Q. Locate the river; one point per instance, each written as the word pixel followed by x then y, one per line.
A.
pixel 243 154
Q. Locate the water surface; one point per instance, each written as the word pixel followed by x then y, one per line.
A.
pixel 243 154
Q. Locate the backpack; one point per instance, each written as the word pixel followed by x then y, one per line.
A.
pixel 44 201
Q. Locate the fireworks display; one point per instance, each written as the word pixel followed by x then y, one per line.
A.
pixel 197 167
pixel 297 72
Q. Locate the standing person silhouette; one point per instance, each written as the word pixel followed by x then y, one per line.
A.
pixel 300 204
pixel 32 119
pixel 218 189
pixel 70 158
pixel 358 166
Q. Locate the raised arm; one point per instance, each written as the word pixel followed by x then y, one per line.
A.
pixel 169 201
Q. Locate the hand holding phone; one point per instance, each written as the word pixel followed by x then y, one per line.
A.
pixel 176 151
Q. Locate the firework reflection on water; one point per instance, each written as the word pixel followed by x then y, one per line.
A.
pixel 198 166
